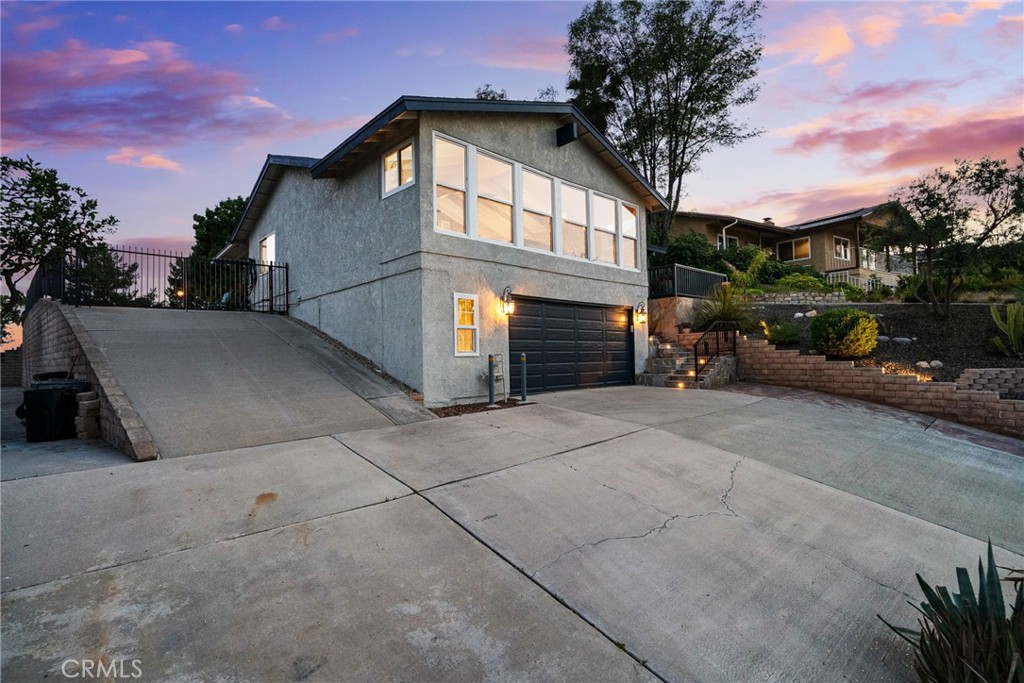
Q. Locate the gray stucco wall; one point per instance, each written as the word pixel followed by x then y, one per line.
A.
pixel 457 264
pixel 352 260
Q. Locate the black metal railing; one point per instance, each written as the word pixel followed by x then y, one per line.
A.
pixel 679 280
pixel 717 340
pixel 148 278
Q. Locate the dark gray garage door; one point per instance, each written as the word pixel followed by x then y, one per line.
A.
pixel 570 346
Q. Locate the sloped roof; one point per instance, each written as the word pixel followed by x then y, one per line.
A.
pixel 839 217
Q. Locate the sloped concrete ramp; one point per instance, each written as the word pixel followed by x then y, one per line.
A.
pixel 207 381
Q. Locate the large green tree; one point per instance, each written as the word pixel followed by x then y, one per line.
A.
pixel 200 279
pixel 41 214
pixel 947 219
pixel 663 80
pixel 213 227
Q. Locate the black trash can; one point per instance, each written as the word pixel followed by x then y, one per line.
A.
pixel 50 408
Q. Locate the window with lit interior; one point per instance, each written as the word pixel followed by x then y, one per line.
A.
pixel 494 198
pixel 842 248
pixel 467 327
pixel 794 250
pixel 450 178
pixel 398 169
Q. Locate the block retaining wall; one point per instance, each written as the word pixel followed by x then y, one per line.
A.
pixel 805 298
pixel 1000 380
pixel 54 338
pixel 761 362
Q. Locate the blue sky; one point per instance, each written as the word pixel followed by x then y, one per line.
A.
pixel 160 110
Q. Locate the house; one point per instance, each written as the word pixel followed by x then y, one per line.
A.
pixel 447 230
pixel 832 245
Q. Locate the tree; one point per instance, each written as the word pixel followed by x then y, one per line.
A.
pixel 487 92
pixel 104 278
pixel 214 227
pixel 663 80
pixel 947 219
pixel 547 94
pixel 40 214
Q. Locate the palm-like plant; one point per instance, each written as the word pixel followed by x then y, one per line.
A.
pixel 1012 327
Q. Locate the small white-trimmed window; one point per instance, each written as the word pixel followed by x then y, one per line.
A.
pixel 629 224
pixel 842 248
pixel 794 250
pixel 268 251
pixel 726 242
pixel 397 169
pixel 467 324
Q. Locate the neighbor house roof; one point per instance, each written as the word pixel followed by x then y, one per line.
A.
pixel 265 185
pixel 741 222
pixel 807 226
pixel 839 217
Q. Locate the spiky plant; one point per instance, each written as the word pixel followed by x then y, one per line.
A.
pixel 1012 327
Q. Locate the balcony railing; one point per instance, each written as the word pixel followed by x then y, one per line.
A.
pixel 679 280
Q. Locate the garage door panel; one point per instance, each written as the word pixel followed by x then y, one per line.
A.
pixel 570 345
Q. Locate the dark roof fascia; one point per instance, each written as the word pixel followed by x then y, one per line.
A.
pixel 271 160
pixel 856 214
pixel 409 103
pixel 743 222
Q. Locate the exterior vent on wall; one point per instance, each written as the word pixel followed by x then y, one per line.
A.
pixel 567 134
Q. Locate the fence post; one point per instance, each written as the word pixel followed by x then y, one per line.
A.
pixel 490 381
pixel 270 285
pixel 188 267
pixel 522 377
pixel 287 291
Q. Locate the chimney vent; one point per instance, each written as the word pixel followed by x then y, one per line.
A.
pixel 769 220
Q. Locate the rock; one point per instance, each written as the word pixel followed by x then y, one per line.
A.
pixel 935 364
pixel 903 341
pixel 811 314
pixel 798 315
pixel 882 338
pixel 922 364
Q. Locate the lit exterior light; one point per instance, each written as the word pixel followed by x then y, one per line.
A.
pixel 180 292
pixel 506 304
pixel 640 314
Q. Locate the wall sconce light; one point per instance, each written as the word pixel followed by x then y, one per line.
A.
pixel 640 313
pixel 506 304
pixel 180 293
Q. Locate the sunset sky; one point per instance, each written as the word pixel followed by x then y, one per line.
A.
pixel 160 110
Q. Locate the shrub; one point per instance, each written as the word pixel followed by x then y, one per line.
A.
pixel 693 250
pixel 844 332
pixel 740 258
pixel 773 271
pixel 968 638
pixel 1012 328
pixel 782 332
pixel 745 279
pixel 725 304
pixel 800 283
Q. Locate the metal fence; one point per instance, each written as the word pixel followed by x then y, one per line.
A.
pixel 148 278
pixel 679 280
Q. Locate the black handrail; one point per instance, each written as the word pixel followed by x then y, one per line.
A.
pixel 724 333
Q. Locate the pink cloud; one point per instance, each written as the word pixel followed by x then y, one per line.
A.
pixel 274 23
pixel 819 40
pixel 178 244
pixel 954 19
pixel 878 30
pixel 129 156
pixel 884 93
pixel 144 97
pixel 545 53
pixel 234 28
pixel 340 34
pixel 31 28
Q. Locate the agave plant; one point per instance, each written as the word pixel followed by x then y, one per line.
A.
pixel 1012 327
pixel 968 637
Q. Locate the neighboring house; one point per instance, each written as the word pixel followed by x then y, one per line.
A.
pixel 832 245
pixel 402 240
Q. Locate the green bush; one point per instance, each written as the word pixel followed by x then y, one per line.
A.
pixel 773 271
pixel 693 250
pixel 782 332
pixel 725 304
pixel 1012 328
pixel 844 333
pixel 964 637
pixel 799 282
pixel 740 258
pixel 745 279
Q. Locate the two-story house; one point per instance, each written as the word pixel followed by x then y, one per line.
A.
pixel 446 230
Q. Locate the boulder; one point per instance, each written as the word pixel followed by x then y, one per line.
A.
pixel 811 314
pixel 798 315
pixel 922 364
pixel 935 364
pixel 882 338
pixel 903 341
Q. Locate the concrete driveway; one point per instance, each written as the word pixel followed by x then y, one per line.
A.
pixel 620 534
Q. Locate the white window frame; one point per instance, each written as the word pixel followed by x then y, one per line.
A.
pixel 522 210
pixel 477 196
pixel 845 243
pixel 384 192
pixel 464 189
pixel 622 236
pixel 268 244
pixel 729 241
pixel 472 196
pixel 458 326
pixel 794 241
pixel 616 231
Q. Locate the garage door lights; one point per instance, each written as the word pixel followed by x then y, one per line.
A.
pixel 506 305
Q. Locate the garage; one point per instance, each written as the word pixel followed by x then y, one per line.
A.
pixel 570 345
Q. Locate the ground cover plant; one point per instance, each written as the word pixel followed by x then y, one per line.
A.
pixel 844 333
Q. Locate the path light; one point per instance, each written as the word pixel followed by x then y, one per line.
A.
pixel 640 314
pixel 180 292
pixel 506 305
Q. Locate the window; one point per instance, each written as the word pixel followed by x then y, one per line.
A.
pixel 794 250
pixel 268 251
pixel 628 236
pixel 726 242
pixel 450 176
pixel 482 195
pixel 494 198
pixel 466 325
pixel 842 248
pixel 397 169
pixel 537 214
pixel 604 230
pixel 574 221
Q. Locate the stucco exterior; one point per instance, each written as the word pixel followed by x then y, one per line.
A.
pixel 373 272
